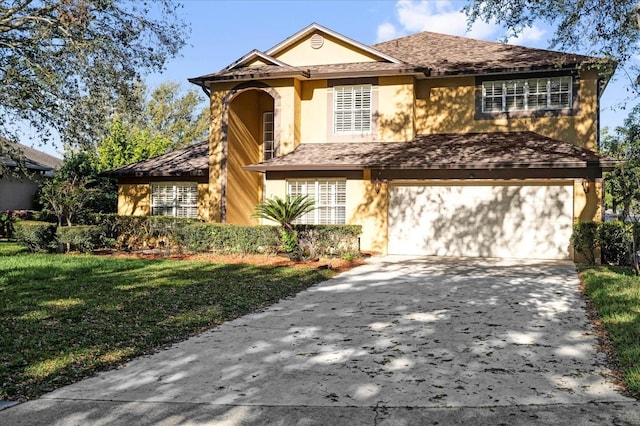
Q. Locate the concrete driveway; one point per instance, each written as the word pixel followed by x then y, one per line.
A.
pixel 396 341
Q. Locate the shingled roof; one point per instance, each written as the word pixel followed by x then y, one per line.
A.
pixel 33 159
pixel 440 151
pixel 425 53
pixel 190 161
pixel 446 54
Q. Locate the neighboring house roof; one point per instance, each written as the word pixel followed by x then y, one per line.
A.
pixel 440 151
pixel 190 161
pixel 32 158
pixel 425 54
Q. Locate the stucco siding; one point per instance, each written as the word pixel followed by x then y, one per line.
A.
pixel 448 105
pixel 134 199
pixel 332 51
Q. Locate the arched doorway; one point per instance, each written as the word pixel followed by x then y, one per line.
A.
pixel 251 120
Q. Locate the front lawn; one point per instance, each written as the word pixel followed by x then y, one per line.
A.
pixel 62 317
pixel 615 292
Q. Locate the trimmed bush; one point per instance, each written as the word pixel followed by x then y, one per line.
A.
pixel 227 239
pixel 338 240
pixel 7 219
pixel 84 238
pixel 141 232
pixel 614 239
pixel 36 236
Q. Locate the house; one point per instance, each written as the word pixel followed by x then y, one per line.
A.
pixel 435 144
pixel 21 176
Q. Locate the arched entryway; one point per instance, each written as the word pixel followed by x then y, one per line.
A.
pixel 251 137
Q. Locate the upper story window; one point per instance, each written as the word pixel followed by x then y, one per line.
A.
pixel 532 94
pixel 268 144
pixel 179 199
pixel 352 109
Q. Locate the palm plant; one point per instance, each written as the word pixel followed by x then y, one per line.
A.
pixel 285 212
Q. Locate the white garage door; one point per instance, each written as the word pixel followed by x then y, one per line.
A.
pixel 511 221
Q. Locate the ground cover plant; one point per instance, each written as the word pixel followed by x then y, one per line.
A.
pixel 615 293
pixel 62 317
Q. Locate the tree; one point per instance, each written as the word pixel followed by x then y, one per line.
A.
pixel 285 212
pixel 77 190
pixel 622 185
pixel 607 29
pixel 166 121
pixel 59 56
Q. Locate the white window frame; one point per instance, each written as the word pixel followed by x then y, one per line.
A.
pixel 352 109
pixel 177 199
pixel 533 94
pixel 268 136
pixel 329 195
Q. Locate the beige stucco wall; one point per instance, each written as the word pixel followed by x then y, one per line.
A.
pixel 364 207
pixel 244 146
pixel 396 114
pixel 333 51
pixel 134 199
pixel 447 105
pixel 588 206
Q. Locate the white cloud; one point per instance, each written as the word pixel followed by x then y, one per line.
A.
pixel 530 36
pixel 440 16
pixel 387 31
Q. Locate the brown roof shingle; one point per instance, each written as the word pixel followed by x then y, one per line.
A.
pixel 34 159
pixel 447 54
pixel 426 53
pixel 190 161
pixel 440 151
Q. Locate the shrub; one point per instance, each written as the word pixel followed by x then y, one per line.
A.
pixel 36 236
pixel 84 238
pixel 615 239
pixel 7 219
pixel 335 240
pixel 585 240
pixel 225 239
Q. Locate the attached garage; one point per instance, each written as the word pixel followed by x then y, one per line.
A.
pixel 510 195
pixel 511 220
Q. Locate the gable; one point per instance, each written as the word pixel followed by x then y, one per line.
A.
pixel 318 48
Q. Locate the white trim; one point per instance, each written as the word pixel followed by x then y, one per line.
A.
pixel 353 110
pixel 268 118
pixel 254 54
pixel 317 27
pixel 514 95
pixel 170 203
pixel 330 197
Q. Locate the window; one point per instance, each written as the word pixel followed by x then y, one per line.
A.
pixel 330 200
pixel 178 199
pixel 352 109
pixel 268 147
pixel 527 95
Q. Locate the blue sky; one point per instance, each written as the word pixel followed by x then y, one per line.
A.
pixel 223 31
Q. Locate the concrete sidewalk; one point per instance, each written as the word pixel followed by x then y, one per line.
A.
pixel 396 341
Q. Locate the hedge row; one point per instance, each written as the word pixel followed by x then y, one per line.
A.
pixel 614 240
pixel 133 233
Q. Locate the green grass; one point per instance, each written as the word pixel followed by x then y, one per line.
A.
pixel 63 317
pixel 615 293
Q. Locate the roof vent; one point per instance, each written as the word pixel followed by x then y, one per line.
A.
pixel 317 41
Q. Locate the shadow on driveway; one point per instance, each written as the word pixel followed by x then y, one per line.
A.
pixel 466 338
